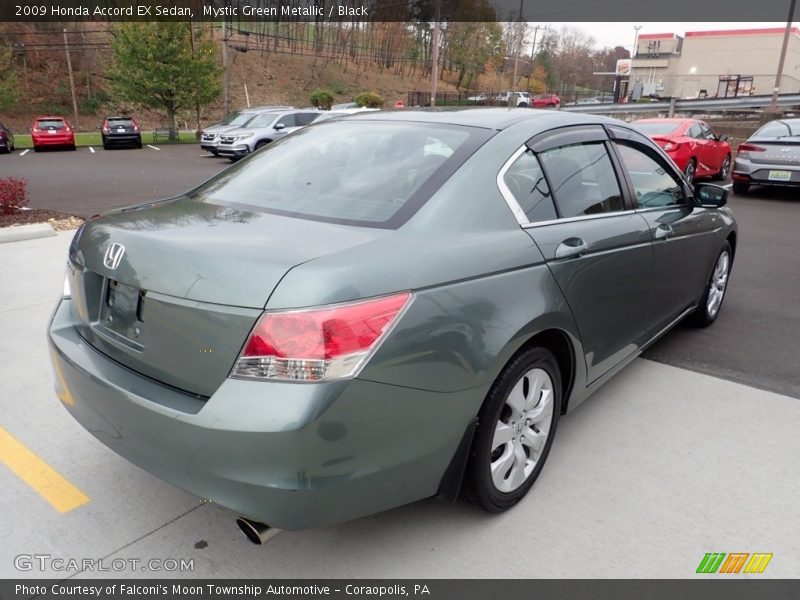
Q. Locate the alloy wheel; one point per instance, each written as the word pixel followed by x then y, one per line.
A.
pixel 726 167
pixel 689 171
pixel 522 429
pixel 719 282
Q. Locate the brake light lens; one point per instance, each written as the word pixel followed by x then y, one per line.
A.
pixel 750 148
pixel 671 146
pixel 135 126
pixel 330 342
pixel 35 130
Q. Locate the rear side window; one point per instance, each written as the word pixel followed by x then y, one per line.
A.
pixel 695 132
pixel 778 129
pixel 582 179
pixel 367 173
pixel 50 124
pixel 657 128
pixel 526 182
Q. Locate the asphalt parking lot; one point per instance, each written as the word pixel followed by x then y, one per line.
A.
pixel 662 465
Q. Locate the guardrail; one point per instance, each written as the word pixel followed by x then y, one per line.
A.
pixel 674 105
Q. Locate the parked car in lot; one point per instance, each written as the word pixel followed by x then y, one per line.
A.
pixel 546 101
pixel 479 98
pixel 6 139
pixel 263 129
pixel 51 132
pixel 383 308
pixel 692 145
pixel 121 131
pixel 520 99
pixel 770 157
pixel 209 137
pixel 344 112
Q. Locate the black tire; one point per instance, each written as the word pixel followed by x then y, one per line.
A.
pixel 741 187
pixel 479 487
pixel 106 146
pixel 523 105
pixel 261 144
pixel 73 148
pixel 690 170
pixel 724 169
pixel 35 149
pixel 702 315
pixel 139 145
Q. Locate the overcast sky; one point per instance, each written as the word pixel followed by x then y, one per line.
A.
pixel 622 34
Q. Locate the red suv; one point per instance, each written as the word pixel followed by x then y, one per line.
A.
pixel 545 100
pixel 52 131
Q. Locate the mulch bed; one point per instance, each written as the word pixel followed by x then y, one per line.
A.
pixel 58 220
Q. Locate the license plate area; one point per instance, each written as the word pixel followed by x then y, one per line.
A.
pixel 122 314
pixel 780 176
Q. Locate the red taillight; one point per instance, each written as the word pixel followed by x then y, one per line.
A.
pixel 67 129
pixel 36 130
pixel 330 342
pixel 670 146
pixel 750 148
pixel 135 126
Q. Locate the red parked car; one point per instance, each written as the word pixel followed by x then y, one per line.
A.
pixel 545 100
pixel 52 131
pixel 692 145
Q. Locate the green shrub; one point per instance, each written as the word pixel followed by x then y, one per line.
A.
pixel 370 100
pixel 321 99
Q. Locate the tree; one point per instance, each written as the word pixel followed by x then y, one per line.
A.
pixel 155 66
pixel 8 79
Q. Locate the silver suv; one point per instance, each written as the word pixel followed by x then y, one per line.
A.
pixel 263 129
pixel 209 138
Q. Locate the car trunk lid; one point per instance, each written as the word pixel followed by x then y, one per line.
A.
pixel 777 151
pixel 172 290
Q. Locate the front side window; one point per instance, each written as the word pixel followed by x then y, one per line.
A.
pixel 259 121
pixel 287 121
pixel 582 179
pixel 654 185
pixel 344 171
pixel 526 182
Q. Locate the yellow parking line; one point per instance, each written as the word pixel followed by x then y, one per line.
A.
pixel 47 482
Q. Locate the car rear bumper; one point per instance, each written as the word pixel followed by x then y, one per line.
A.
pixel 765 174
pixel 123 139
pixel 54 140
pixel 291 455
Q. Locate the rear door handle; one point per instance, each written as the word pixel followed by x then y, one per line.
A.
pixel 663 232
pixel 571 248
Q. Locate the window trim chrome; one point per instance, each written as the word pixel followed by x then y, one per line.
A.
pixel 520 215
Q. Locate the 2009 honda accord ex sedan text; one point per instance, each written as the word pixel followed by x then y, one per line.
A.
pixel 382 308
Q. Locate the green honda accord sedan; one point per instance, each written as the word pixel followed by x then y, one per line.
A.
pixel 383 308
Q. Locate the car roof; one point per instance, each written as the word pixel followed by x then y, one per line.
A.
pixel 488 118
pixel 52 118
pixel 665 120
pixel 114 117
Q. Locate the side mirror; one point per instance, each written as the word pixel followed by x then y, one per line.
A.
pixel 722 138
pixel 279 126
pixel 709 195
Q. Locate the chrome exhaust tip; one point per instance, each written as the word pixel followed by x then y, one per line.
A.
pixel 256 532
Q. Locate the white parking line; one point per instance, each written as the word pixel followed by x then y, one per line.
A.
pixel 24 152
pixel 91 149
pixel 153 147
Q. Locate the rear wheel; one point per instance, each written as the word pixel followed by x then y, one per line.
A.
pixel 690 169
pixel 741 187
pixel 725 169
pixel 711 302
pixel 73 148
pixel 516 426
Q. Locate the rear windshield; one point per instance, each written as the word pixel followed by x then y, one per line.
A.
pixel 776 129
pixel 50 123
pixel 366 173
pixel 657 128
pixel 120 123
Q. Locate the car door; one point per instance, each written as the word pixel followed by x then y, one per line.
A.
pixel 716 149
pixel 597 248
pixel 701 151
pixel 680 231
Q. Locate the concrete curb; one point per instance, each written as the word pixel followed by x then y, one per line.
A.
pixel 18 233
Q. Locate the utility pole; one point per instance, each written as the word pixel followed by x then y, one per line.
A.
pixel 437 6
pixel 519 36
pixel 225 103
pixel 533 49
pixel 72 80
pixel 773 105
pixel 635 50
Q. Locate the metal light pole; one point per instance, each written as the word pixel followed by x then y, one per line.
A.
pixel 773 105
pixel 225 101
pixel 517 46
pixel 435 50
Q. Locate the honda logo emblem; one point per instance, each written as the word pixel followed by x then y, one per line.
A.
pixel 113 257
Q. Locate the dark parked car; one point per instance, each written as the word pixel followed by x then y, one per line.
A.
pixel 770 157
pixel 49 132
pixel 383 308
pixel 121 131
pixel 6 139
